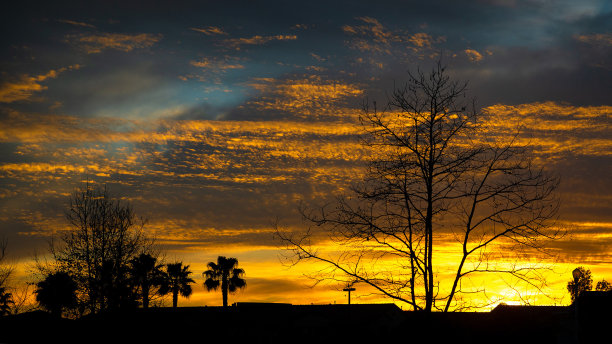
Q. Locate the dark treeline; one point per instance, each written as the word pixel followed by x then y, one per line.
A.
pixel 105 262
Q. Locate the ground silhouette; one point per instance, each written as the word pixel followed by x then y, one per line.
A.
pixel 582 322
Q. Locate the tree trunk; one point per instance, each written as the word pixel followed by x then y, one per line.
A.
pixel 224 288
pixel 145 296
pixel 174 298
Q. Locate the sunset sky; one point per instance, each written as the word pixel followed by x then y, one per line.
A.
pixel 218 118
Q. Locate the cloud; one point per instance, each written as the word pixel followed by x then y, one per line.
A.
pixel 96 43
pixel 473 55
pixel 235 43
pixel 25 86
pixel 306 98
pixel 76 23
pixel 375 38
pixel 372 36
pixel 555 130
pixel 373 28
pixel 214 64
pixel 421 40
pixel 604 39
pixel 211 31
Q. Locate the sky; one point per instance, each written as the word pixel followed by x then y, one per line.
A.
pixel 218 119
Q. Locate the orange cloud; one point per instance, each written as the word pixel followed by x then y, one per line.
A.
pixel 473 55
pixel 215 64
pixel 310 96
pixel 257 40
pixel 595 39
pixel 96 43
pixel 76 23
pixel 374 37
pixel 421 40
pixel 211 31
pixel 26 85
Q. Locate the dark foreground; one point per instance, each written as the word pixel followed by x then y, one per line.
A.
pixel 280 323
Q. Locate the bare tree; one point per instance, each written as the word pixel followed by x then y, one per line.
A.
pixel 22 299
pixel 96 251
pixel 5 269
pixel 6 298
pixel 437 176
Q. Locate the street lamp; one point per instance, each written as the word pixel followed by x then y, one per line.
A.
pixel 349 289
pixel 577 274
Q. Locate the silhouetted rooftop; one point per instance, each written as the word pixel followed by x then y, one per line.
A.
pixel 280 322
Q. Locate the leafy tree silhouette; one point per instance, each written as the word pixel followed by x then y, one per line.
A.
pixel 581 282
pixel 603 285
pixel 178 282
pixel 6 300
pixel 57 292
pixel 226 274
pixel 147 275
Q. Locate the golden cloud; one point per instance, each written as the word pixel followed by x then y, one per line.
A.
pixel 96 43
pixel 473 55
pixel 311 96
pixel 373 29
pixel 25 86
pixel 235 43
pixel 76 23
pixel 215 65
pixel 421 40
pixel 595 39
pixel 211 31
pixel 374 37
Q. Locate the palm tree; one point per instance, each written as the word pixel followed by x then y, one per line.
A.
pixel 225 273
pixel 178 281
pixel 147 275
pixel 56 292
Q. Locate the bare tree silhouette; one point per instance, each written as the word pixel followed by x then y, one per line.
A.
pixel 5 269
pixel 437 175
pixel 105 236
pixel 226 274
pixel 6 298
pixel 178 281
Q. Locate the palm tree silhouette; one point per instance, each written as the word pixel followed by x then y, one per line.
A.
pixel 146 274
pixel 178 281
pixel 56 292
pixel 225 273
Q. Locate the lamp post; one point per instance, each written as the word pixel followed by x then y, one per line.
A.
pixel 577 274
pixel 349 289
